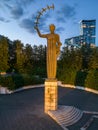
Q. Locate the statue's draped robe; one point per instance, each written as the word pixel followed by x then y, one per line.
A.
pixel 51 55
pixel 53 49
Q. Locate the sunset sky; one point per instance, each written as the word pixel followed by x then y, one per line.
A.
pixel 17 18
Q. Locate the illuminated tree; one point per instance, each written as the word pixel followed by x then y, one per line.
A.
pixel 4 55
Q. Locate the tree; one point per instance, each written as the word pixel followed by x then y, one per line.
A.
pixel 20 57
pixel 28 51
pixel 92 79
pixel 4 55
pixel 86 51
pixel 93 62
pixel 12 56
pixel 42 60
pixel 39 60
pixel 69 63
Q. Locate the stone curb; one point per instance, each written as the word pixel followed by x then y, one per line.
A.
pixel 77 87
pixel 28 87
pixel 6 91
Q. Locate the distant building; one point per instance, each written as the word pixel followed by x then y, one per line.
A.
pixel 76 41
pixel 88 30
pixel 87 34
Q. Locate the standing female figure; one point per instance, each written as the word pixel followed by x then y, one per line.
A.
pixel 53 50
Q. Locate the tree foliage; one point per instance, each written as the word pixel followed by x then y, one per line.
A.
pixel 69 63
pixel 4 55
pixel 19 56
pixel 79 66
pixel 92 79
pixel 93 62
pixel 75 66
pixel 15 57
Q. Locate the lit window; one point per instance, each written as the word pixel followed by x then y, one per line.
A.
pixel 92 26
pixel 83 26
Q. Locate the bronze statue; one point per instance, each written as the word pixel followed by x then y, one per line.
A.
pixel 53 50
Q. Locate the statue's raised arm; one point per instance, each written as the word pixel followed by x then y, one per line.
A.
pixel 39 33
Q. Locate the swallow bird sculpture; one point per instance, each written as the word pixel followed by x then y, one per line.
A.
pixel 41 13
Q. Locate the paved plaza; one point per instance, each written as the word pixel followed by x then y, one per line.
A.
pixel 24 110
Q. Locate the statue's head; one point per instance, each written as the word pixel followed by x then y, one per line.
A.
pixel 52 27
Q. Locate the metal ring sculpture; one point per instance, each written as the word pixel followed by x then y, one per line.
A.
pixel 41 13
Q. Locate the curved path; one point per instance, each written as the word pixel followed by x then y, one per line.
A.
pixel 25 110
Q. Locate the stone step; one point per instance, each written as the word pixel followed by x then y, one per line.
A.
pixel 66 115
pixel 71 117
pixel 71 121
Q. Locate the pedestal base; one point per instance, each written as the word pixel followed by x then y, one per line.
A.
pixel 51 95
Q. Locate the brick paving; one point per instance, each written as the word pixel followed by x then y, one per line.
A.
pixel 25 110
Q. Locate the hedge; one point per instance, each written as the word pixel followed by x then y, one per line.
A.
pixel 68 76
pixel 15 81
pixel 82 78
pixel 92 79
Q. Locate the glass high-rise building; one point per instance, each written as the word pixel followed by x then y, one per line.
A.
pixel 88 30
pixel 87 34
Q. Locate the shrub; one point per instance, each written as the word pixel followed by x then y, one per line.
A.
pixel 16 81
pixel 80 78
pixel 68 76
pixel 7 82
pixel 92 79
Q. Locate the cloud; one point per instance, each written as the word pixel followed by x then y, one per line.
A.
pixel 67 12
pixel 15 10
pixel 61 19
pixel 2 19
pixel 60 29
pixel 44 22
pixel 25 2
pixel 28 24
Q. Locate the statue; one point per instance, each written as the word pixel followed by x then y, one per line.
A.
pixel 53 50
pixel 53 44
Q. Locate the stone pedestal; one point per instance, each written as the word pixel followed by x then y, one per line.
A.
pixel 51 95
